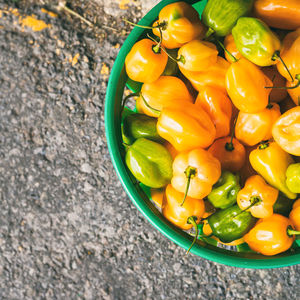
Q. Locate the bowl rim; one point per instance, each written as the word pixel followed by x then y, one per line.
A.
pixel 111 128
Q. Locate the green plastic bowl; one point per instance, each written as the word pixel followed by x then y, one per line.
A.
pixel 240 258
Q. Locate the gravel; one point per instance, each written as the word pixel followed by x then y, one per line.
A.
pixel 67 228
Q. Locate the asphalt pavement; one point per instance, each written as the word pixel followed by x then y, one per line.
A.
pixel 67 228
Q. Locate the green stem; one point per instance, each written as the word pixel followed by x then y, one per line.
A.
pixel 291 231
pixel 254 200
pixel 150 107
pixel 208 33
pixel 229 146
pixel 162 25
pixel 276 56
pixel 264 145
pixel 189 172
pixel 192 220
pixel 126 98
pixel 286 87
pixel 233 58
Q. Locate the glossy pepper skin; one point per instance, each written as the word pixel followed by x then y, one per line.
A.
pixel 197 56
pixel 232 157
pixel 255 41
pixel 201 167
pixel 245 84
pixel 221 15
pixel 295 214
pixel 251 129
pixel 230 224
pixel 143 64
pixel 178 214
pixel 187 128
pixel 293 178
pixel 281 14
pixel 269 236
pixel 271 162
pixel 286 131
pixel 290 53
pixel 231 47
pixel 257 197
pixel 225 190
pixel 136 126
pixel 218 106
pixel 214 76
pixel 149 162
pixel 182 25
pixel 164 92
pixel 294 93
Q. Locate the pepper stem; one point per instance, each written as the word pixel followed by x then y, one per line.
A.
pixel 192 220
pixel 146 103
pixel 180 59
pixel 286 87
pixel 162 25
pixel 189 172
pixel 264 145
pixel 233 58
pixel 276 56
pixel 291 231
pixel 254 200
pixel 126 98
pixel 209 32
pixel 229 146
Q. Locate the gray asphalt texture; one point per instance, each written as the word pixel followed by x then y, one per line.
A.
pixel 67 228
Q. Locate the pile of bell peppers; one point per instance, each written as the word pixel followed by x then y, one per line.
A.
pixel 216 130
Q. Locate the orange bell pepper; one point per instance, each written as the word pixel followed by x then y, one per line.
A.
pixel 195 172
pixel 186 127
pixel 271 236
pixel 197 55
pixel 286 131
pixel 251 129
pixel 164 92
pixel 182 24
pixel 290 54
pixel 271 162
pixel 294 93
pixel 230 152
pixel 171 149
pixel 231 47
pixel 276 95
pixel 178 214
pixel 257 197
pixel 157 196
pixel 218 106
pixel 214 76
pixel 145 62
pixel 245 84
pixel 295 214
pixel 283 14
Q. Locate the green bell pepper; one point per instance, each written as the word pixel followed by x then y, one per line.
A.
pixel 283 205
pixel 293 178
pixel 231 223
pixel 149 162
pixel 221 15
pixel 224 191
pixel 255 41
pixel 136 126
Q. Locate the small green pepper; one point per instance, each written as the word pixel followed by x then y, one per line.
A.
pixel 221 15
pixel 255 41
pixel 136 126
pixel 231 223
pixel 283 205
pixel 224 191
pixel 149 162
pixel 293 178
